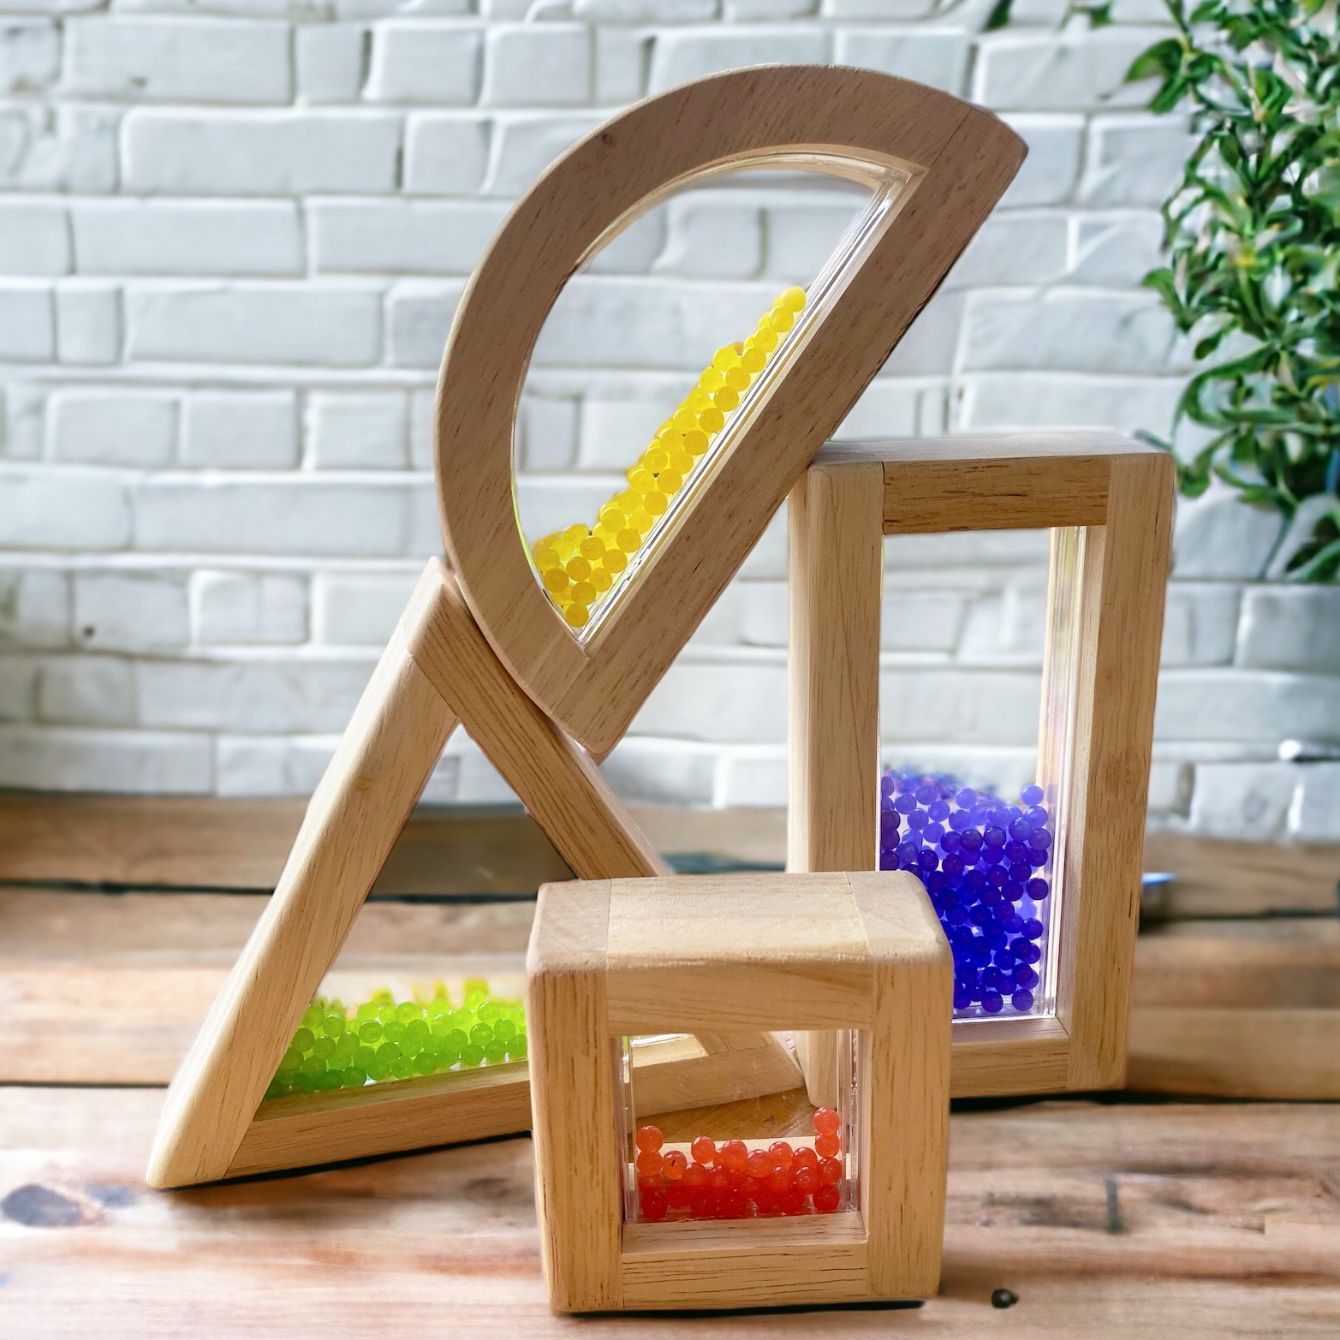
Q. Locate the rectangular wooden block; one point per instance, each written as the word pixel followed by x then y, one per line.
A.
pixel 616 958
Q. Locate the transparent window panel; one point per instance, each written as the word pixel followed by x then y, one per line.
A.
pixel 773 1156
pixel 660 350
pixel 978 742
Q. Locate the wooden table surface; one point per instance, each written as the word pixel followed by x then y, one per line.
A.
pixel 1125 1214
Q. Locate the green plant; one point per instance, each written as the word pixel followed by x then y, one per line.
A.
pixel 1253 236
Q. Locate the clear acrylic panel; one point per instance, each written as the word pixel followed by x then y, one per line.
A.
pixel 979 813
pixel 660 350
pixel 767 1157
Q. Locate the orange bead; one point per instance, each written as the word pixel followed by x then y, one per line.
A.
pixel 806 1158
pixel 827 1121
pixel 758 1164
pixel 830 1171
pixel 649 1162
pixel 781 1154
pixel 673 1166
pixel 649 1138
pixel 826 1145
pixel 733 1156
pixel 704 1149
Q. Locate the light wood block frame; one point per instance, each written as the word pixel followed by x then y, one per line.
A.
pixel 627 957
pixel 1122 494
pixel 482 646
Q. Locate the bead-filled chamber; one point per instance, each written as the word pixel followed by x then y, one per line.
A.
pixel 770 1157
pixel 982 820
pixel 692 310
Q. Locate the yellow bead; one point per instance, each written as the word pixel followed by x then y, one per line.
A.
pixel 592 548
pixel 726 357
pixel 781 321
pixel 726 398
pixel 615 561
pixel 629 540
pixel 697 399
pixel 547 558
pixel 577 616
pixel 574 535
pixel 685 419
pixel 555 580
pixel 737 379
pixel 753 360
pixel 711 380
pixel 626 501
pixel 656 459
pixel 583 593
pixel 711 420
pixel 601 580
pixel 793 300
pixel 681 461
pixel 641 479
pixel 765 338
pixel 670 481
pixel 655 502
pixel 696 441
pixel 612 517
pixel 672 440
pixel 578 569
pixel 641 520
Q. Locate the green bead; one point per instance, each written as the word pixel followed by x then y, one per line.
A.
pixel 388 1053
pixel 312 1017
pixel 370 1032
pixel 411 1046
pixel 303 1039
pixel 496 1051
pixel 472 1055
pixel 424 1064
pixel 403 1068
pixel 406 1011
pixel 490 1011
pixel 504 1030
pixel 481 1035
pixel 394 1031
pixel 336 1025
pixel 516 1049
pixel 417 1029
pixel 324 1048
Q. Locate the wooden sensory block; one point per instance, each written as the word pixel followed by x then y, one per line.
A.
pixel 1108 502
pixel 612 959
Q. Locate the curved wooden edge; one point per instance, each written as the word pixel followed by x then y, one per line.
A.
pixel 960 159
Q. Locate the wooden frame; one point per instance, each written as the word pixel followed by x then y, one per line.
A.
pixel 623 957
pixel 1121 494
pixel 948 163
pixel 482 646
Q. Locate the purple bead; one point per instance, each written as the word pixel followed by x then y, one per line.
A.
pixel 938 810
pixel 1038 889
pixel 917 820
pixel 1016 852
pixel 1032 794
pixel 1036 817
pixel 991 978
pixel 971 841
pixel 952 865
pixel 926 860
pixel 1019 874
pixel 962 997
pixel 974 881
pixel 904 803
pixel 886 784
pixel 996 876
pixel 949 844
pixel 1040 838
pixel 991 1002
pixel 926 792
pixel 1004 913
pixel 932 833
pixel 1020 828
pixel 966 798
pixel 1022 1000
pixel 958 821
pixel 1015 924
pixel 1025 976
pixel 994 837
pixel 994 934
pixel 907 851
pixel 956 916
pixel 1032 928
pixel 981 953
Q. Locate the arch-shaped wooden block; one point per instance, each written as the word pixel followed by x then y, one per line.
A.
pixel 950 162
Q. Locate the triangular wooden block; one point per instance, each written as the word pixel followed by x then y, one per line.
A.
pixel 438 672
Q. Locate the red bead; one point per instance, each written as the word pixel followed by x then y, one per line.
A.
pixel 807 1180
pixel 806 1158
pixel 830 1171
pixel 650 1138
pixel 678 1196
pixel 792 1203
pixel 649 1162
pixel 704 1149
pixel 653 1203
pixel 644 1180
pixel 673 1165
pixel 719 1180
pixel 734 1205
pixel 765 1197
pixel 827 1145
pixel 827 1121
pixel 827 1199
pixel 733 1155
pixel 700 1204
pixel 695 1176
pixel 781 1180
pixel 781 1154
pixel 758 1164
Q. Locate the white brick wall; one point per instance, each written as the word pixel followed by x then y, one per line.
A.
pixel 232 237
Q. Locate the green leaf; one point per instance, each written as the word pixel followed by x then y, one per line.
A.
pixel 999 16
pixel 1160 59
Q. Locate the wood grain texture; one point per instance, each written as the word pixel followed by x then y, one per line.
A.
pixel 956 161
pixel 395 738
pixel 1124 582
pixel 1105 1221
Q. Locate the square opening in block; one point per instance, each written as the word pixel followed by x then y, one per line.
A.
pixel 772 1156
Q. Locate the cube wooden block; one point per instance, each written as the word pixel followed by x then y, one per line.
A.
pixel 611 959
